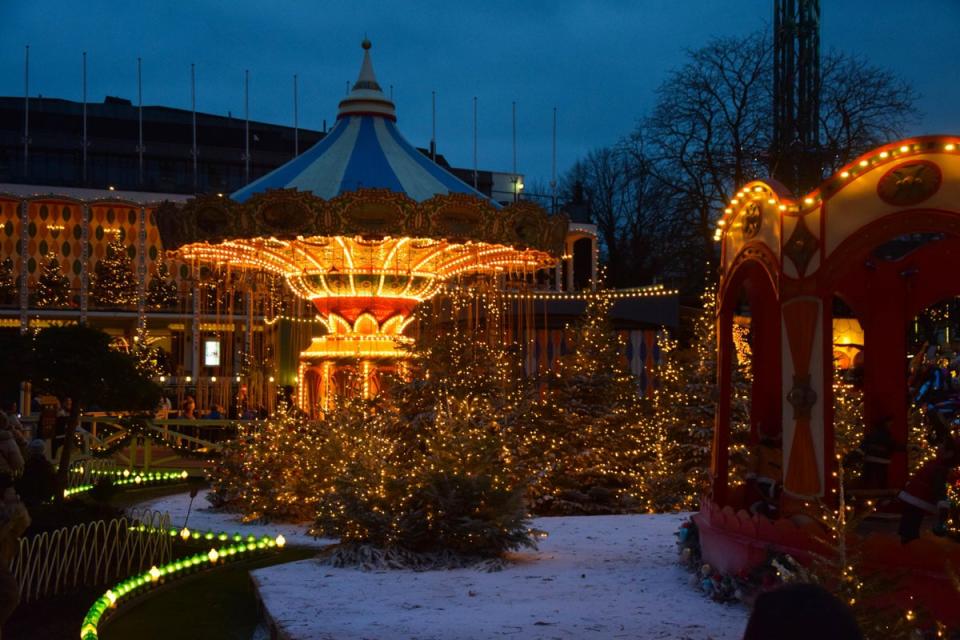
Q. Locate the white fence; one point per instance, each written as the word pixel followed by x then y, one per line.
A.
pixel 91 554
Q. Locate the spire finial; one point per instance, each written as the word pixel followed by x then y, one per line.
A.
pixel 366 97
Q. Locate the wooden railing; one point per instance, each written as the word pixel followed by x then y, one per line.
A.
pixel 152 442
pixel 91 554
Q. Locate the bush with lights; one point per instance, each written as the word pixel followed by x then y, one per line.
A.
pixel 272 470
pixel 427 469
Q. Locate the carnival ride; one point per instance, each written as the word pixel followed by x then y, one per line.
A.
pixel 789 257
pixel 365 227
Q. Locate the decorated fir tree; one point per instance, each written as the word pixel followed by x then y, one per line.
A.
pixel 53 287
pixel 428 468
pixel 148 358
pixel 684 407
pixel 162 290
pixel 114 283
pixel 274 470
pixel 587 430
pixel 8 282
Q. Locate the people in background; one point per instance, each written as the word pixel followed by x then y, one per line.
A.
pixel 164 408
pixel 216 413
pixel 13 419
pixel 926 491
pixel 188 410
pixel 800 612
pixel 11 460
pixel 39 479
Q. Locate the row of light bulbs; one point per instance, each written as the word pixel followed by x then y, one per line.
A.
pixel 852 170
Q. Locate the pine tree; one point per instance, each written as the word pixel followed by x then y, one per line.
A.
pixel 114 283
pixel 53 287
pixel 8 283
pixel 685 405
pixel 273 470
pixel 587 429
pixel 162 290
pixel 148 358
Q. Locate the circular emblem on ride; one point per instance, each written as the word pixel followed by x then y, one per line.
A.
pixel 909 183
pixel 752 219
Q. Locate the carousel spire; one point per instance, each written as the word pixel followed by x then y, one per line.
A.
pixel 366 98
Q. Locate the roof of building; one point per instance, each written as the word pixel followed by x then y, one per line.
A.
pixel 364 150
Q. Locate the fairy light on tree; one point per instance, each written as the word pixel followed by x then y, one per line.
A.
pixel 114 283
pixel 162 290
pixel 8 282
pixel 53 287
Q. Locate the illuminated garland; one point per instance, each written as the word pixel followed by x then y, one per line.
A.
pixel 123 478
pixel 138 427
pixel 156 576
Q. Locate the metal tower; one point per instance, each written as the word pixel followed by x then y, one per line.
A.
pixel 796 158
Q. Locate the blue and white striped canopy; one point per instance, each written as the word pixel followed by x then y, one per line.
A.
pixel 363 150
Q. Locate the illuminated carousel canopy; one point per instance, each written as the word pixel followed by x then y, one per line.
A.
pixel 365 227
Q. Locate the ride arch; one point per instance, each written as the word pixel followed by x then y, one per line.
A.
pixel 881 239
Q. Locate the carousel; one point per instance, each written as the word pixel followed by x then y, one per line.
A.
pixel 364 227
pixel 878 241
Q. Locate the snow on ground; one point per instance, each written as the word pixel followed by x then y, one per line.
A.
pixel 203 518
pixel 594 577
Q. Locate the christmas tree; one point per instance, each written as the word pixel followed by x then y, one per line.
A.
pixel 162 290
pixel 684 406
pixel 8 283
pixel 114 283
pixel 428 468
pixel 587 429
pixel 149 359
pixel 273 470
pixel 53 287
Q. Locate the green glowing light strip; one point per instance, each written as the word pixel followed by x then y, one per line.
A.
pixel 127 477
pixel 138 584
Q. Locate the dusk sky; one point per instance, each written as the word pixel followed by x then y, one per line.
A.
pixel 598 62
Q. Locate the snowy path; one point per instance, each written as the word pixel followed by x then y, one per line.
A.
pixel 203 518
pixel 594 577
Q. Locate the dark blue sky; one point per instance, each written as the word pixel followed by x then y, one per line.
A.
pixel 598 62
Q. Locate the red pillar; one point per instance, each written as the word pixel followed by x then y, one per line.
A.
pixel 885 369
pixel 719 466
pixel 766 402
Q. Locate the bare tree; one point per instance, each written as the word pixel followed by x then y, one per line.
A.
pixel 656 195
pixel 711 130
pixel 861 107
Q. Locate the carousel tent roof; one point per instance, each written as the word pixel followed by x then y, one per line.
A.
pixel 363 150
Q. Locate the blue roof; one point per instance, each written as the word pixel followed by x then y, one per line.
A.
pixel 363 150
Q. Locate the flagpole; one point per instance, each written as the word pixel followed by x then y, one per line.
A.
pixel 246 126
pixel 193 108
pixel 474 142
pixel 516 179
pixel 296 127
pixel 26 112
pixel 553 171
pixel 84 140
pixel 140 148
pixel 433 130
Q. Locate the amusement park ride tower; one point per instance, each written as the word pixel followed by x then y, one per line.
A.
pixel 365 227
